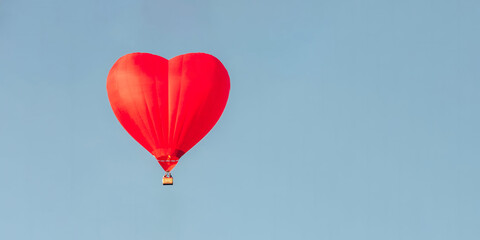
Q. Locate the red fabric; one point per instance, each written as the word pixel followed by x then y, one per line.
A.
pixel 168 105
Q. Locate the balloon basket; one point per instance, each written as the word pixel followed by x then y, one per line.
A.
pixel 167 179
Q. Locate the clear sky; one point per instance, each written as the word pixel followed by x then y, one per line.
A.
pixel 350 119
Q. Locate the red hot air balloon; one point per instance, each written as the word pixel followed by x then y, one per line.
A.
pixel 168 106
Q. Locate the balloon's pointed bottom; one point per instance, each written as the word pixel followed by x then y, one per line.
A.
pixel 168 165
pixel 168 158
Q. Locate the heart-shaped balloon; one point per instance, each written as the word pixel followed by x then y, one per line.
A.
pixel 168 106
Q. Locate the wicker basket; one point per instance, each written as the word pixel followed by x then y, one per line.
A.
pixel 167 180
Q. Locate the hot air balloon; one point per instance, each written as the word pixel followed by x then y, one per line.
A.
pixel 168 106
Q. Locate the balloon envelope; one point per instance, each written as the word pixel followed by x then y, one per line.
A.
pixel 168 105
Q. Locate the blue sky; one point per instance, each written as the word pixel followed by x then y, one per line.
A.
pixel 346 120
